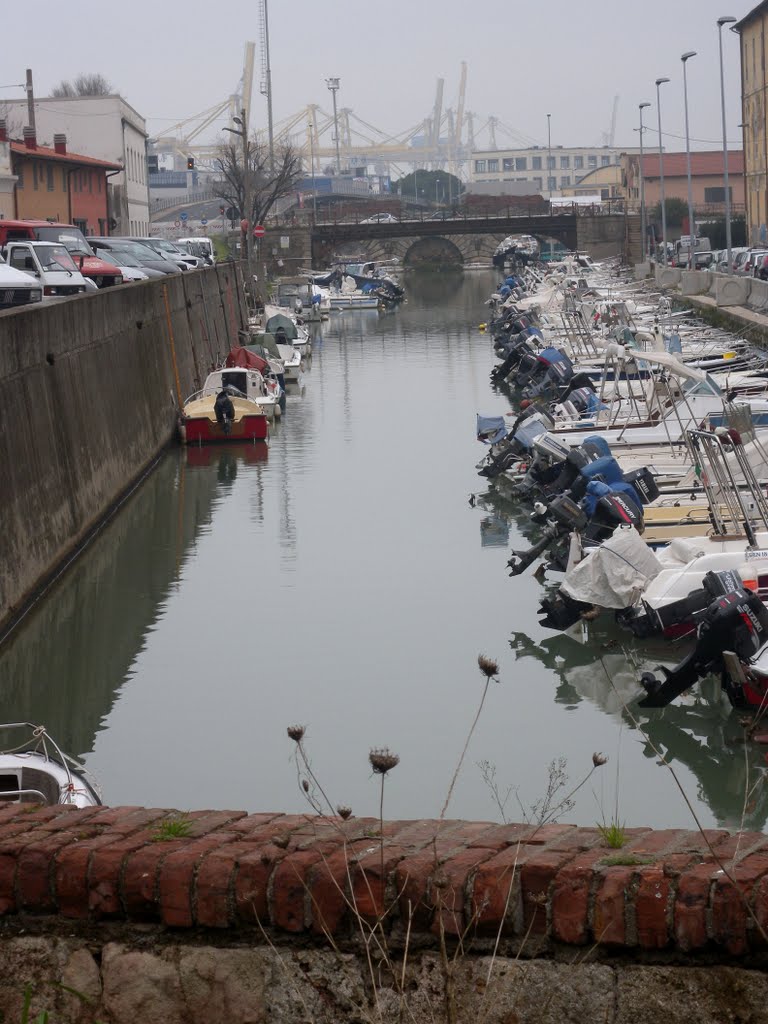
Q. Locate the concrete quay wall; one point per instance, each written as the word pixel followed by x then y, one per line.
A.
pixel 89 392
pixel 289 918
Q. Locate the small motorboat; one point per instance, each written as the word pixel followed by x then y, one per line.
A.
pixel 233 405
pixel 37 771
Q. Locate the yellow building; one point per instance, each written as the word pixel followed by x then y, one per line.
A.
pixel 753 29
pixel 604 182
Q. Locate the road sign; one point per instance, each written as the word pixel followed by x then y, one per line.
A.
pixel 203 221
pixel 183 215
pixel 177 223
pixel 258 231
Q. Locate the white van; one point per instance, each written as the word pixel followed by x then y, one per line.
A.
pixel 201 246
pixel 16 288
pixel 51 264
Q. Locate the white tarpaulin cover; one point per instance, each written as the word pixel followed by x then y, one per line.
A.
pixel 615 574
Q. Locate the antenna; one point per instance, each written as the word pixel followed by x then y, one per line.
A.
pixel 610 135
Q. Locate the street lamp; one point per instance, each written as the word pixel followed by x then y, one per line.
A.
pixel 333 85
pixel 691 226
pixel 643 225
pixel 720 22
pixel 549 156
pixel 311 128
pixel 660 82
pixel 247 212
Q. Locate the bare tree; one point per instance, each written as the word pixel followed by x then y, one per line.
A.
pixel 92 84
pixel 267 185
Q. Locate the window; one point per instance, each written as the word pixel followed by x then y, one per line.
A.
pixel 592 161
pixel 565 163
pixel 578 162
pixel 19 256
pixel 538 182
pixel 90 181
pixel 507 164
pixel 49 177
pixel 521 163
pixel 481 166
pixel 617 159
pixel 605 161
pixel 551 163
pixel 551 183
pixel 565 179
pixel 493 165
pixel 717 194
pixel 536 163
pixel 82 224
pixel 34 175
pixel 64 179
pixel 20 176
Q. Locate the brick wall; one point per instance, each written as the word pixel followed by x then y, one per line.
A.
pixel 305 876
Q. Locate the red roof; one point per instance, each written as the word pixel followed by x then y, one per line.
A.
pixel 707 164
pixel 73 158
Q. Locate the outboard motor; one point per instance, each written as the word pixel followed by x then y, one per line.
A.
pixel 733 629
pixel 526 428
pixel 556 376
pixel 595 518
pixel 678 618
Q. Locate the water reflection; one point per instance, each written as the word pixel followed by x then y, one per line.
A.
pixel 701 731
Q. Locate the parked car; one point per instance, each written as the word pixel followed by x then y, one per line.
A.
pixel 128 265
pixel 147 258
pixel 168 251
pixel 72 238
pixel 739 262
pixel 17 288
pixel 754 256
pixel 380 218
pixel 51 264
pixel 199 245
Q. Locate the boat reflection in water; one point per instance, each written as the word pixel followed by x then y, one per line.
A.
pixel 701 731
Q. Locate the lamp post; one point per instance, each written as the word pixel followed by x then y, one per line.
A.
pixel 643 225
pixel 549 157
pixel 247 212
pixel 720 22
pixel 691 225
pixel 333 85
pixel 312 161
pixel 660 82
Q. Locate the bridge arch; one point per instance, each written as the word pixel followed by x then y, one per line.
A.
pixel 431 251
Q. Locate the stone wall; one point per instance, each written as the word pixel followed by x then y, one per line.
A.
pixel 602 236
pixel 89 393
pixel 270 917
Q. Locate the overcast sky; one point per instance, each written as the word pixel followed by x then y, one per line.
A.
pixel 173 60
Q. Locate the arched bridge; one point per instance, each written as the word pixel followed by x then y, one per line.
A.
pixel 452 240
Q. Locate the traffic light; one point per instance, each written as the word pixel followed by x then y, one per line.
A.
pixel 190 163
pixel 222 210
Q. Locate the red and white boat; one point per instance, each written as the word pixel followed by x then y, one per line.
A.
pixel 251 404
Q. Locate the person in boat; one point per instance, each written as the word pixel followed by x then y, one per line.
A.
pixel 224 410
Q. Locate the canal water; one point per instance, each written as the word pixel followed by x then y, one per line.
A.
pixel 341 579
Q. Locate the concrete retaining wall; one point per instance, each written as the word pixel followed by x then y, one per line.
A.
pixel 695 282
pixel 267 917
pixel 88 397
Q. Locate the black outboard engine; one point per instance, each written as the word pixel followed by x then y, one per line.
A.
pixel 678 618
pixel 610 511
pixel 735 622
pixel 556 376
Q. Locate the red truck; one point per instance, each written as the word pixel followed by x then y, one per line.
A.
pixel 101 273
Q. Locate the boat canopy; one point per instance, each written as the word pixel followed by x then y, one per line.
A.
pixel 280 320
pixel 245 359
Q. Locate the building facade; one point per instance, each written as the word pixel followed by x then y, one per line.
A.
pixel 548 170
pixel 706 179
pixel 107 129
pixel 753 29
pixel 55 184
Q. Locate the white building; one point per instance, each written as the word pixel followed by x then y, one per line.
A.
pixel 549 170
pixel 105 127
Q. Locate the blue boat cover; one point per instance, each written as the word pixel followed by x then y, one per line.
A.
pixel 596 490
pixel 533 332
pixel 607 467
pixel 491 429
pixel 552 355
pixel 528 431
pixel 598 443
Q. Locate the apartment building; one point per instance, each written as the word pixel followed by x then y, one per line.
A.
pixel 549 170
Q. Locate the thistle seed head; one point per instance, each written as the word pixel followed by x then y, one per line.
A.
pixel 487 666
pixel 344 812
pixel 599 759
pixel 383 760
pixel 296 732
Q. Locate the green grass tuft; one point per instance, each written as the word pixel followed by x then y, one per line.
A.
pixel 625 860
pixel 172 828
pixel 614 834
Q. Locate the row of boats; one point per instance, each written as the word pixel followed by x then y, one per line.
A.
pixel 637 443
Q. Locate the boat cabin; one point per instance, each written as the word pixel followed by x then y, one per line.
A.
pixel 247 383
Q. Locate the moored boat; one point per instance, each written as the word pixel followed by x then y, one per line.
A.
pixel 232 405
pixel 37 771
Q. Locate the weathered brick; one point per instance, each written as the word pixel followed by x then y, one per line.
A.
pixel 176 875
pixel 71 875
pixel 214 883
pixel 139 881
pixel 537 873
pixel 570 897
pixel 412 876
pixel 290 888
pixel 7 886
pixel 254 870
pixel 729 916
pixel 691 905
pixel 492 903
pixel 652 907
pixel 609 924
pixel 449 890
